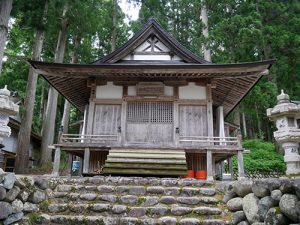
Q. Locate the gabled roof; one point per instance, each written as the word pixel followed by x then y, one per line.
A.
pixel 151 29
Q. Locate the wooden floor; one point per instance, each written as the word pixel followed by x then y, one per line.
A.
pixel 146 162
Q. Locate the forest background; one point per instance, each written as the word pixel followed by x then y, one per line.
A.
pixel 76 31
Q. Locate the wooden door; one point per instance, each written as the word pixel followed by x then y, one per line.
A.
pixel 107 121
pixel 192 123
pixel 149 123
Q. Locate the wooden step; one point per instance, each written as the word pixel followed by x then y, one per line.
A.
pixel 148 161
pixel 147 166
pixel 140 161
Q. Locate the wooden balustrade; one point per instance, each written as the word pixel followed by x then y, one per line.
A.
pixel 195 141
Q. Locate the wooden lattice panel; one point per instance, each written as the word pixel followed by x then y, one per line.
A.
pixel 150 112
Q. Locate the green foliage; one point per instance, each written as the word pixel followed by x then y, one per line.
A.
pixel 262 157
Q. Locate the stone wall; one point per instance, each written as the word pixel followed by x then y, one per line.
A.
pixel 20 195
pixel 268 201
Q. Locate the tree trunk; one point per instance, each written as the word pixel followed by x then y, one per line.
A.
pixel 49 123
pixel 23 144
pixel 258 122
pixel 237 119
pixel 67 106
pixel 244 125
pixel 204 18
pixel 114 23
pixel 5 9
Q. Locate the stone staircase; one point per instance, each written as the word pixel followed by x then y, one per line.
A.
pixel 131 200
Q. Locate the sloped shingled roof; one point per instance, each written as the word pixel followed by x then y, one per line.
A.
pixel 233 81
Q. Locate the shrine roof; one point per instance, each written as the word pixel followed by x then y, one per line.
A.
pixel 152 54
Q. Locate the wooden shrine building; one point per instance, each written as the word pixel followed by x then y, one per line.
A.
pixel 152 107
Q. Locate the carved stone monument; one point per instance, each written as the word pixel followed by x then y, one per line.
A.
pixel 7 108
pixel 286 115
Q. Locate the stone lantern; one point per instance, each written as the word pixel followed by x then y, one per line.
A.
pixel 7 108
pixel 286 116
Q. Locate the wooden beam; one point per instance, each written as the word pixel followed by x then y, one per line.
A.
pixel 86 160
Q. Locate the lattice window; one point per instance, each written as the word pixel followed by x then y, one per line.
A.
pixel 150 112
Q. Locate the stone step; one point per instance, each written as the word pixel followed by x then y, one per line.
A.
pixel 134 190
pixel 46 219
pixel 146 209
pixel 132 200
pixel 116 181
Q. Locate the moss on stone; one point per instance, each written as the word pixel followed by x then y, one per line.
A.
pixel 33 217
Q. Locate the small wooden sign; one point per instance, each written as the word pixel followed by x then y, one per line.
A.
pixel 150 89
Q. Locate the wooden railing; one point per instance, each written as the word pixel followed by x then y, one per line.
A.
pixel 88 138
pixel 183 140
pixel 205 140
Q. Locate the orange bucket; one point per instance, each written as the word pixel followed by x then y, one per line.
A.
pixel 201 174
pixel 190 174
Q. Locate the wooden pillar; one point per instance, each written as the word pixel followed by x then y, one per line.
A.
pixel 123 122
pixel 241 165
pixel 220 124
pixel 90 121
pixel 210 125
pixel 209 165
pixel 230 165
pixel 222 169
pixel 85 117
pixel 55 171
pixel 86 161
pixel 70 164
pixel 176 124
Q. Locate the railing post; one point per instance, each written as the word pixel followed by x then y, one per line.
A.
pixel 55 171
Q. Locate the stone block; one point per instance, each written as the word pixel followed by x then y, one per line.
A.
pixel 9 180
pixel 288 206
pixel 174 191
pixel 203 210
pixel 235 204
pixel 189 191
pixel 100 207
pixel 189 221
pixel 137 190
pixel 167 200
pixel 137 212
pixel 168 220
pixel 17 206
pixel 13 218
pixel 181 211
pixel 155 190
pixel 88 196
pixel 12 194
pixel 250 208
pixel 105 189
pixel 30 207
pixel 118 209
pixel 129 199
pixel 157 211
pixel 5 210
pixel 188 200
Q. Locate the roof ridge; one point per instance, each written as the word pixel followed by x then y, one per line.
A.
pixel 152 22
